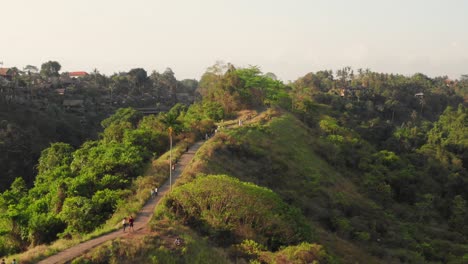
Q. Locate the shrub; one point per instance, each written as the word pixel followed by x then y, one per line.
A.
pixel 229 210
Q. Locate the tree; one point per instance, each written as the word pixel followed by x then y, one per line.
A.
pixel 30 69
pixel 58 154
pixel 171 118
pixel 138 76
pixel 50 69
pixel 459 216
pixel 123 115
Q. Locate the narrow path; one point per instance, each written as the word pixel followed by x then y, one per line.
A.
pixel 141 220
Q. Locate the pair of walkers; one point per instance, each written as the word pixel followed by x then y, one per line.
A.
pixel 128 223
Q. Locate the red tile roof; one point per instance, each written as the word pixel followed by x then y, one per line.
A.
pixel 77 74
pixel 4 72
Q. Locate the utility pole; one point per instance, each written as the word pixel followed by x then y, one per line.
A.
pixel 170 159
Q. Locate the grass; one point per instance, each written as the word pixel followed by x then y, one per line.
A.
pixel 158 247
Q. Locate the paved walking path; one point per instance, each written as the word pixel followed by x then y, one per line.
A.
pixel 141 220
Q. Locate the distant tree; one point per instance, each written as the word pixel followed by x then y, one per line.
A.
pixel 271 76
pixel 187 85
pixel 120 84
pixel 170 82
pixel 459 215
pixel 211 80
pixel 30 69
pixel 138 76
pixel 344 76
pixel 50 69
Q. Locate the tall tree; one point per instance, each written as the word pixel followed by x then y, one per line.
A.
pixel 50 69
pixel 138 77
pixel 30 69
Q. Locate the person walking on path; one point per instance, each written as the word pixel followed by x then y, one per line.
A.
pixel 3 261
pixel 13 261
pixel 124 223
pixel 156 191
pixel 130 223
pixel 152 192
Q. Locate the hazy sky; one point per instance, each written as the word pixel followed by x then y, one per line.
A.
pixel 287 37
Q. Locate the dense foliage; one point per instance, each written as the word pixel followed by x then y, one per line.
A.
pixel 25 132
pixel 78 190
pixel 235 89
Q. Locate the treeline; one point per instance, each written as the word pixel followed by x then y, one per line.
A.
pixel 36 82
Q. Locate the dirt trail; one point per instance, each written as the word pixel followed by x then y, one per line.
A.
pixel 141 220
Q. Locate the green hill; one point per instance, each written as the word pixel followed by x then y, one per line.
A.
pixel 278 151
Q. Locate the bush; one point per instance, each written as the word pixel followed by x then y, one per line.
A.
pixel 229 210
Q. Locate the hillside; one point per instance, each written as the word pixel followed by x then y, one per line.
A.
pixel 277 151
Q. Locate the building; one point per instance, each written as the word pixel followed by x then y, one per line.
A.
pixel 74 105
pixel 60 91
pixel 77 74
pixel 7 73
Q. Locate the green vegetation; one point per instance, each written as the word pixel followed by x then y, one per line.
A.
pixel 25 132
pixel 38 108
pixel 157 249
pixel 338 167
pixel 235 89
pixel 77 191
pixel 374 220
pixel 229 211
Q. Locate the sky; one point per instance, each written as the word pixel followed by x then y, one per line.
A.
pixel 287 37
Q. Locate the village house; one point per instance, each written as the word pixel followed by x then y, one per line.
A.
pixel 60 91
pixel 77 74
pixel 73 105
pixel 7 73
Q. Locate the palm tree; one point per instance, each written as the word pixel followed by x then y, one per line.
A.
pixel 174 126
